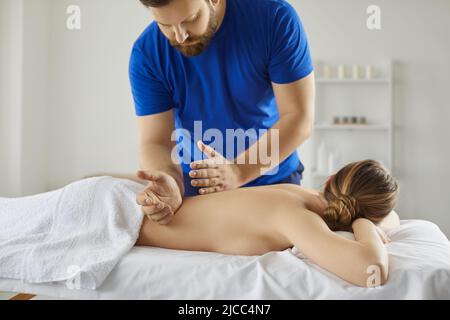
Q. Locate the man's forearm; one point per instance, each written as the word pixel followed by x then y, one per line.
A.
pixel 292 133
pixel 156 157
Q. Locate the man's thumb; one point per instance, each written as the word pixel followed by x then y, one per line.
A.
pixel 210 152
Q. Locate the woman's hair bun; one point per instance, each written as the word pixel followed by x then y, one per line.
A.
pixel 362 189
pixel 341 212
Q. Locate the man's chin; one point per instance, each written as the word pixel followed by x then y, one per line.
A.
pixel 191 51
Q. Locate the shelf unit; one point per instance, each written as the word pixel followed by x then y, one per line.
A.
pixel 351 127
pixel 387 82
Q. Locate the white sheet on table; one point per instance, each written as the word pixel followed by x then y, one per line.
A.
pixel 419 269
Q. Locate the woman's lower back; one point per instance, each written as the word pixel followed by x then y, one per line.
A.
pixel 237 222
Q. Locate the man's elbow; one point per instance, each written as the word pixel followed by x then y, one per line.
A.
pixel 304 130
pixel 305 134
pixel 309 132
pixel 307 125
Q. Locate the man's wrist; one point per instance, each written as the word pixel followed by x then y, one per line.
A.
pixel 172 172
pixel 178 180
pixel 180 186
pixel 240 173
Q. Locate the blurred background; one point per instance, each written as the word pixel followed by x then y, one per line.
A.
pixel 66 109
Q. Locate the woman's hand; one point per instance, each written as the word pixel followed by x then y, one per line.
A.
pixel 383 235
pixel 380 232
pixel 391 221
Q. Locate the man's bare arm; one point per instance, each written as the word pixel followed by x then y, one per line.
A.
pixel 296 104
pixel 155 145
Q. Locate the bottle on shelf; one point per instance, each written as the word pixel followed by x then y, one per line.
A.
pixel 336 120
pixel 334 163
pixel 326 71
pixel 363 120
pixel 341 72
pixel 322 158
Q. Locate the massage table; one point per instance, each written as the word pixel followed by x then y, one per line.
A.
pixel 419 257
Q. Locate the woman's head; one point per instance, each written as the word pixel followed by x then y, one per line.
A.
pixel 362 189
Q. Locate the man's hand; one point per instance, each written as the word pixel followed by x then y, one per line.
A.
pixel 215 174
pixel 161 199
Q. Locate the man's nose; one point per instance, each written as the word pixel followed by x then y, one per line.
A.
pixel 181 35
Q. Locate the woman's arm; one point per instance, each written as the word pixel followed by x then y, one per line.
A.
pixel 390 222
pixel 366 234
pixel 353 261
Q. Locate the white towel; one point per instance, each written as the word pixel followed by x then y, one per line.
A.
pixel 75 235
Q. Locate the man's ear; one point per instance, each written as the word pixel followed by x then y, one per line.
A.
pixel 213 3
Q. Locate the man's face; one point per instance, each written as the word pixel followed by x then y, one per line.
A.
pixel 189 25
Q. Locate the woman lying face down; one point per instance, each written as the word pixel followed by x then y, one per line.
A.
pixel 253 221
pixel 359 190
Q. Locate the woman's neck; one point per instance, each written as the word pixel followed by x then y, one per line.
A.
pixel 315 201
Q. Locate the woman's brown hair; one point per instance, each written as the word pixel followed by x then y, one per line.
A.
pixel 362 189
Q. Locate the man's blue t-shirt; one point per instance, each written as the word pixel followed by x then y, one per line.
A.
pixel 228 86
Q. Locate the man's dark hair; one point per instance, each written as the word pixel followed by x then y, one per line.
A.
pixel 155 3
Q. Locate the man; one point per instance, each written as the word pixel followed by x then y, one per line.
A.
pixel 226 64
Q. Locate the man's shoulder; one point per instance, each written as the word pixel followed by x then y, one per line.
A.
pixel 265 4
pixel 148 38
pixel 282 7
pixel 265 12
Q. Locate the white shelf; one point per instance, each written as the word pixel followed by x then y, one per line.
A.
pixel 352 81
pixel 351 127
pixel 327 130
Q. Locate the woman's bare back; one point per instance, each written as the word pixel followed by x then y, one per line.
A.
pixel 254 221
pixel 238 222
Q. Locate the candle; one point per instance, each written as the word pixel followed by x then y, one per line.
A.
pixel 369 72
pixel 355 72
pixel 341 72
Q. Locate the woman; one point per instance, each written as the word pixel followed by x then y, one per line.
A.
pixel 253 221
pixel 92 223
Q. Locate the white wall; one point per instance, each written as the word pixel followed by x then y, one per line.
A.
pixel 91 125
pixel 35 102
pixel 10 96
pixel 23 96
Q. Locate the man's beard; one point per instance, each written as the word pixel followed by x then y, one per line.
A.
pixel 201 42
